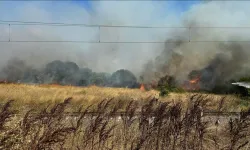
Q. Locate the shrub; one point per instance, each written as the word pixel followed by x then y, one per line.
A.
pixel 164 92
pixel 123 78
pixel 244 79
pixel 167 84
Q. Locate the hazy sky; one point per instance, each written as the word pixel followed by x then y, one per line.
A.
pixel 111 57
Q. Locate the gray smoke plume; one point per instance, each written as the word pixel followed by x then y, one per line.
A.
pixel 227 61
pixel 216 55
pixel 103 57
pixel 226 66
pixel 217 61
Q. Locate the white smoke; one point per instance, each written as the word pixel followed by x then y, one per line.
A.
pixel 111 57
pixel 243 84
pixel 99 57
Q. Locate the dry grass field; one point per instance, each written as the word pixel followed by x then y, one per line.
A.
pixel 40 95
pixel 177 121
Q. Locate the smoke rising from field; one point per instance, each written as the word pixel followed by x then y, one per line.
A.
pixel 214 60
pixel 218 61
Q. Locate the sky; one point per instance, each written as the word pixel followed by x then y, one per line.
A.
pixel 179 6
pixel 95 56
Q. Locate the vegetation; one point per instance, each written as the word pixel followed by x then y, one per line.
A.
pixel 167 84
pixel 244 79
pixel 123 78
pixel 230 89
pixel 38 96
pixel 152 125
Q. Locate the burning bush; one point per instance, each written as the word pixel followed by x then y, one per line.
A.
pixel 201 79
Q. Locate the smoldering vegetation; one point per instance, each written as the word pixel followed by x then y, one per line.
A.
pixel 225 63
pixel 65 73
pixel 149 125
pixel 224 67
pixel 216 52
pixel 205 53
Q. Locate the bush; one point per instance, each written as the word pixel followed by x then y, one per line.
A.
pixel 164 92
pixel 123 78
pixel 167 84
pixel 244 79
pixel 99 79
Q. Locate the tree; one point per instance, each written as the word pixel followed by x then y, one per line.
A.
pixel 62 72
pixel 167 84
pixel 123 78
pixel 100 79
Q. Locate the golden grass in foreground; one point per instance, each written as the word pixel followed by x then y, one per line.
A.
pixel 171 127
pixel 40 95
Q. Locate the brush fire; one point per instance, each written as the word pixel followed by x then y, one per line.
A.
pixel 172 65
pixel 191 84
pixel 68 73
pixel 142 88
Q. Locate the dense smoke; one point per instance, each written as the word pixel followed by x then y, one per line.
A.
pixel 229 63
pixel 206 52
pixel 214 55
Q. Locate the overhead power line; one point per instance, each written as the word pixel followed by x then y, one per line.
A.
pixel 143 42
pixel 94 42
pixel 78 24
pixel 18 22
pixel 15 22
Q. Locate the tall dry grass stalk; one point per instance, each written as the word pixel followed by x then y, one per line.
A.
pixel 153 125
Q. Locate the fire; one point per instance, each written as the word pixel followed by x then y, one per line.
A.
pixel 192 84
pixel 142 88
pixel 194 81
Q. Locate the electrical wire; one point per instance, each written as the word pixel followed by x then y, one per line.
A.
pixel 78 24
pixel 112 42
pixel 17 22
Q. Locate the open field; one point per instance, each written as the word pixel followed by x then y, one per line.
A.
pixel 147 121
pixel 40 95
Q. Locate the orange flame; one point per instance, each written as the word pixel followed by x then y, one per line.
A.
pixel 142 88
pixel 194 81
pixel 192 84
